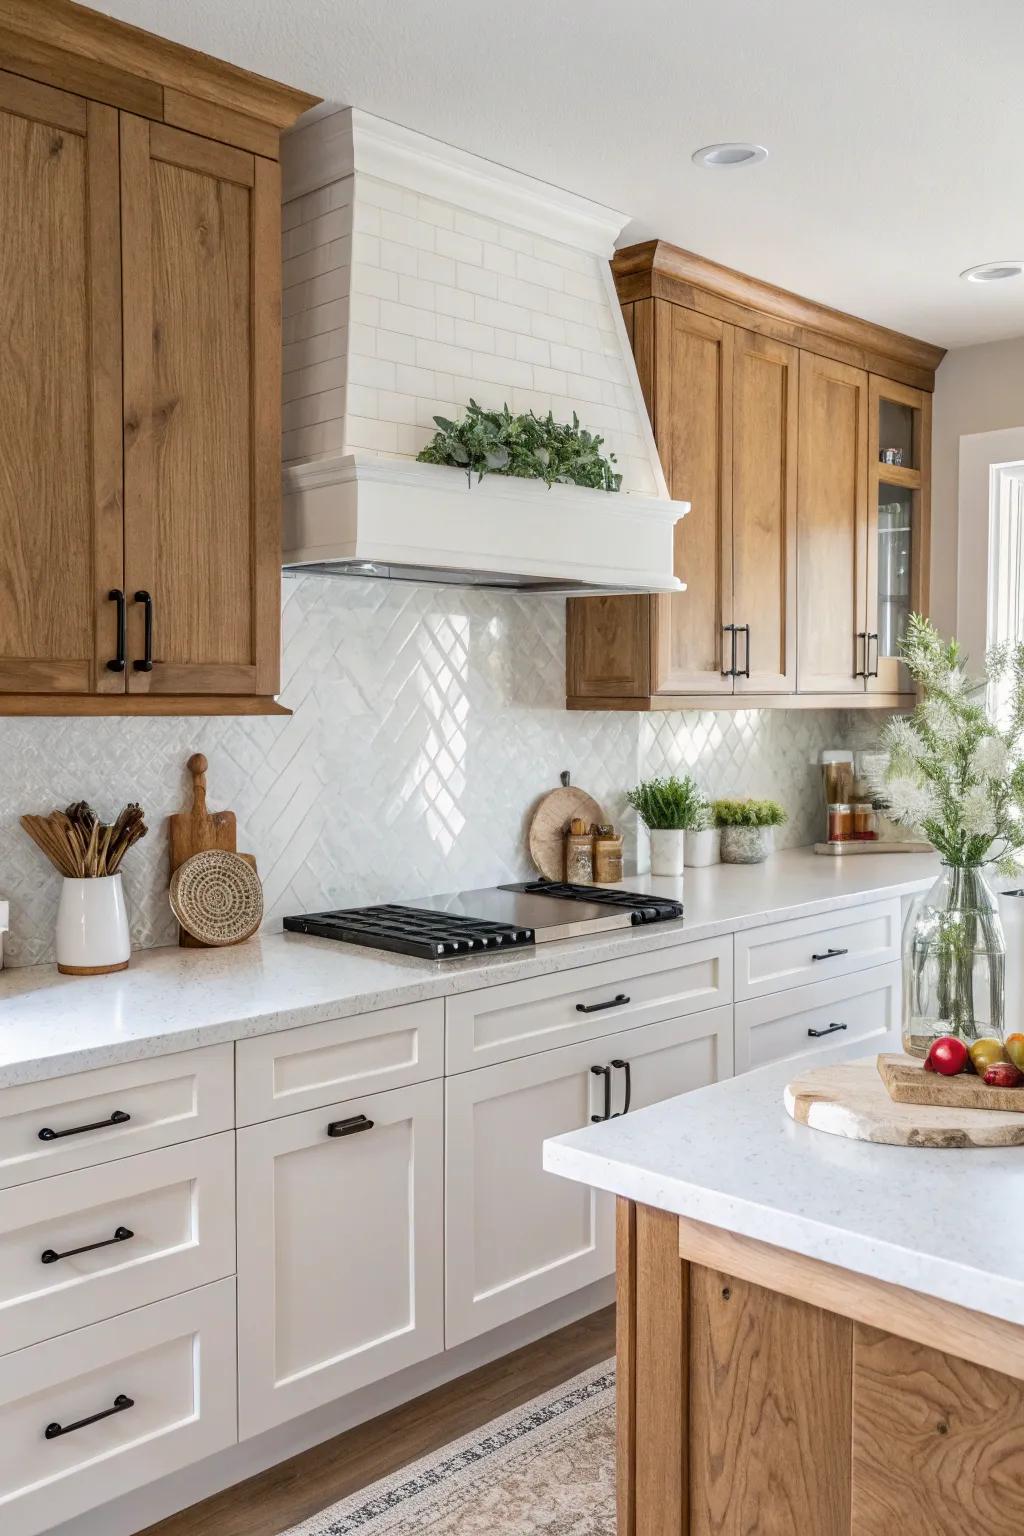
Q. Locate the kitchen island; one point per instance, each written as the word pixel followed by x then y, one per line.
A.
pixel 815 1335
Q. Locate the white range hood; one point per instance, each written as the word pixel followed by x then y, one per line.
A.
pixel 418 277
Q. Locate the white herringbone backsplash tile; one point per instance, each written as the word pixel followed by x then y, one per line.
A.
pixel 426 722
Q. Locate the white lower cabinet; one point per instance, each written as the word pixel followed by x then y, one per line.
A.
pixel 809 1022
pixel 91 1415
pixel 515 1236
pixel 340 1258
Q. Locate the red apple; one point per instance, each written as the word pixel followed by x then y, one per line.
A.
pixel 948 1056
pixel 1003 1074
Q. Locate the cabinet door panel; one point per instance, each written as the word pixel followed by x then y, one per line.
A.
pixel 340 1264
pixel 832 527
pixel 201 507
pixel 60 430
pixel 764 478
pixel 898 526
pixel 693 426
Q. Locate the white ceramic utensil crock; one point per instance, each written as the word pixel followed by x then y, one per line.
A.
pixel 92 927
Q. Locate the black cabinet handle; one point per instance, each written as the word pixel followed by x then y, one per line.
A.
pixel 870 671
pixel 350 1127
pixel 613 1002
pixel 121 1402
pixel 624 1066
pixel 833 1029
pixel 117 1118
pixel 744 630
pixel 730 629
pixel 147 664
pixel 606 1073
pixel 50 1255
pixel 115 595
pixel 831 954
pixel 862 671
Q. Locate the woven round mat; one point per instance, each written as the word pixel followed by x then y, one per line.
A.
pixel 217 897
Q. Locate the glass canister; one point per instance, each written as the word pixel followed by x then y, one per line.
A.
pixel 954 962
pixel 840 823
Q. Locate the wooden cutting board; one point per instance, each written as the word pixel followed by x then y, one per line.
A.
pixel 908 1083
pixel 849 1099
pixel 548 824
pixel 196 830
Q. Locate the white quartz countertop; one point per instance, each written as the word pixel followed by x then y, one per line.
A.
pixel 174 999
pixel 944 1223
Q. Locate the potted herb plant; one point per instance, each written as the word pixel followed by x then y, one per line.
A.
pixel 669 808
pixel 956 774
pixel 747 828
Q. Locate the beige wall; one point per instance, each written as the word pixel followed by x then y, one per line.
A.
pixel 977 389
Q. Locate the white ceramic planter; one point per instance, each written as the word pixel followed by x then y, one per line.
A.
pixel 667 851
pixel 92 927
pixel 702 848
pixel 747 845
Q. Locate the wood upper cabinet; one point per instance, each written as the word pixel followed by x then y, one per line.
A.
pixel 140 339
pixel 201 262
pixel 803 553
pixel 60 426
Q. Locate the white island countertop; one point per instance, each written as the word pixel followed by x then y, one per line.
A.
pixel 175 999
pixel 942 1223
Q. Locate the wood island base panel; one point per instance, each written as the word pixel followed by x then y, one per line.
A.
pixel 763 1392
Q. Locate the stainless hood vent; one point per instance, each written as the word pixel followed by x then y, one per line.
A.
pixel 417 276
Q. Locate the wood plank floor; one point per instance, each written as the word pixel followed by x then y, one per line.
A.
pixel 286 1494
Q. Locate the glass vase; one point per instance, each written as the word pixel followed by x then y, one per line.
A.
pixel 954 959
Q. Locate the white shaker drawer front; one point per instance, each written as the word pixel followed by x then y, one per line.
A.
pixel 810 949
pixel 319 1064
pixel 89 1245
pixel 88 1417
pixel 809 1021
pixel 520 1018
pixel 93 1117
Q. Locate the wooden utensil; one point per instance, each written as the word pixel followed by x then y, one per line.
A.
pixel 198 830
pixel 908 1083
pixel 546 837
pixel 850 1099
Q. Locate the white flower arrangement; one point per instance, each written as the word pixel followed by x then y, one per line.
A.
pixel 954 775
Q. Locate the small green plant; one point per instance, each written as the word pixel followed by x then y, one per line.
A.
pixel 748 813
pixel 671 804
pixel 529 447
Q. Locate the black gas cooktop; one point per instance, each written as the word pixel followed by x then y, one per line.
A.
pixel 482 922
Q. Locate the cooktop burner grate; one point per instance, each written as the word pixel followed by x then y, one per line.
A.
pixel 413 931
pixel 644 909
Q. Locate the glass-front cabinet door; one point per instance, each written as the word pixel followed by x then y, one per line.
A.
pixel 899 478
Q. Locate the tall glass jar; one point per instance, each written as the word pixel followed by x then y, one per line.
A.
pixel 954 957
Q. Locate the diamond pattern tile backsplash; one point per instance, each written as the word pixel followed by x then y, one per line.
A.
pixel 426 722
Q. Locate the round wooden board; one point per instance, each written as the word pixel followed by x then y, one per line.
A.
pixel 850 1099
pixel 547 827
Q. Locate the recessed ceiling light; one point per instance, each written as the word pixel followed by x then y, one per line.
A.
pixel 993 271
pixel 730 154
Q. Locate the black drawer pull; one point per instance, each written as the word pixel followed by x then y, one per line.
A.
pixel 52 1431
pixel 50 1255
pixel 744 629
pixel 606 1073
pixel 625 1067
pixel 833 1029
pixel 613 1002
pixel 146 665
pixel 117 1118
pixel 831 954
pixel 731 630
pixel 350 1127
pixel 115 595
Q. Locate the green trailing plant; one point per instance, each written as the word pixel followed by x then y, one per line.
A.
pixel 748 813
pixel 671 804
pixel 528 447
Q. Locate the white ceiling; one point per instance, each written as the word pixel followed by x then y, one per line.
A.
pixel 894 126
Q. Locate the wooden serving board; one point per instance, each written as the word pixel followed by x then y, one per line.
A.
pixel 548 824
pixel 197 830
pixel 908 1083
pixel 849 1099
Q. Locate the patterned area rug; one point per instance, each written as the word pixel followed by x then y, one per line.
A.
pixel 548 1469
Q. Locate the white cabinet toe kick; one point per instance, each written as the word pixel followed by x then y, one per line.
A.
pixel 199 1248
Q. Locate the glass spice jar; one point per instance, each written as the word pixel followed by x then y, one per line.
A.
pixel 607 856
pixel 865 822
pixel 579 853
pixel 840 823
